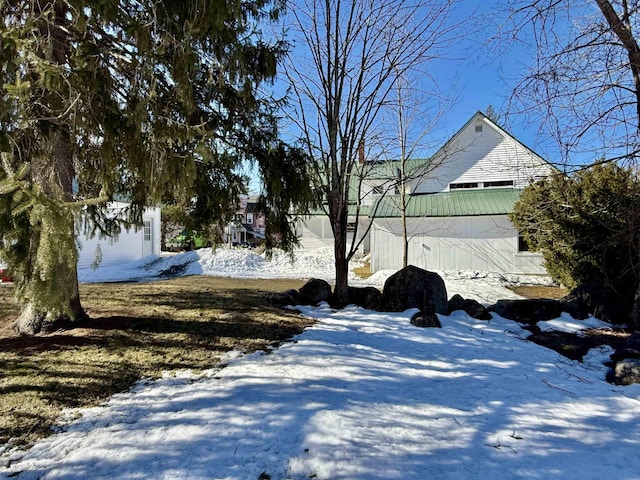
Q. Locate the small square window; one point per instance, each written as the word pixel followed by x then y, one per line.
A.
pixel 478 128
pixel 523 246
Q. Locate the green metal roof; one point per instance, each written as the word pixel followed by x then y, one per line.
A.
pixel 388 169
pixel 487 201
pixel 352 210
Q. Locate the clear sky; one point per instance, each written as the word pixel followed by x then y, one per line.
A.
pixel 486 70
pixel 483 69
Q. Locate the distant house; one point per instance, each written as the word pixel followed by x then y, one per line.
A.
pixel 457 211
pixel 248 225
pixel 255 223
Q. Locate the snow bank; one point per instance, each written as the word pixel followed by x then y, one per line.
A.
pixel 242 263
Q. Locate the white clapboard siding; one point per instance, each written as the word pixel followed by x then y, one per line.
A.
pixel 482 243
pixel 481 156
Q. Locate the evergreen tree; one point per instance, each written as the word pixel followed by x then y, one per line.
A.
pixel 587 226
pixel 147 101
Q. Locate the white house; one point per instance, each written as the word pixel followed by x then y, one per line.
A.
pixel 457 213
pixel 457 210
pixel 131 244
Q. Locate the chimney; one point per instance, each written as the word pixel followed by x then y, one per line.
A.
pixel 361 152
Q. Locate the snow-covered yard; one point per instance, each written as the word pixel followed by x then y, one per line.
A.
pixel 360 395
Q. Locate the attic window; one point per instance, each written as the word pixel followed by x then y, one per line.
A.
pixel 478 128
pixel 498 183
pixel 457 186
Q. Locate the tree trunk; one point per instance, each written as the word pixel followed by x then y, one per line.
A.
pixel 634 317
pixel 51 294
pixel 32 321
pixel 61 281
pixel 403 213
pixel 341 289
pixel 54 172
pixel 338 218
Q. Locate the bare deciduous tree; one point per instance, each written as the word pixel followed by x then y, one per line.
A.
pixel 586 79
pixel 417 114
pixel 347 59
pixel 585 83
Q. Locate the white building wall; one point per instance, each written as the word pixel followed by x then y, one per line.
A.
pixel 484 243
pixel 483 156
pixel 315 232
pixel 131 244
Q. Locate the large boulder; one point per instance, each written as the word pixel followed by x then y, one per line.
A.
pixel 630 349
pixel 290 297
pixel 314 291
pixel 413 287
pixel 569 345
pixel 529 311
pixel 471 307
pixel 365 297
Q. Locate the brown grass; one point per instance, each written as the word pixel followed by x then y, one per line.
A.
pixel 137 330
pixel 538 291
pixel 363 272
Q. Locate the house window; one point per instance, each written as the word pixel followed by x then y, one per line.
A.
pixel 478 128
pixel 458 186
pixel 147 231
pixel 351 226
pixel 378 190
pixel 523 246
pixel 499 183
pixel 250 218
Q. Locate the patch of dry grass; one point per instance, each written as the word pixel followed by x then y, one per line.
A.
pixel 364 271
pixel 137 330
pixel 539 291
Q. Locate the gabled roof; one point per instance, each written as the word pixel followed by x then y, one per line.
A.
pixel 495 126
pixel 464 203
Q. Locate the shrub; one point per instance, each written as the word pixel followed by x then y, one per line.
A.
pixel 587 226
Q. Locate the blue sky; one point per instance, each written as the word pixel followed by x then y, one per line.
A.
pixel 487 71
pixel 484 72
